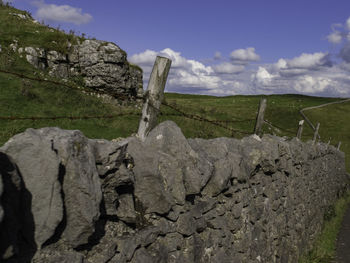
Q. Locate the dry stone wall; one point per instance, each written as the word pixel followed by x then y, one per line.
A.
pixel 168 199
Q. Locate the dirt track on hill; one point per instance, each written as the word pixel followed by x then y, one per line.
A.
pixel 343 240
pixel 315 107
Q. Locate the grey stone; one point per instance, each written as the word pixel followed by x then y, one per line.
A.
pixel 173 241
pixel 59 159
pixel 186 225
pixel 225 169
pixel 108 155
pixel 142 256
pixel 126 210
pixel 149 186
pixel 148 235
pixel 174 213
pixel 237 210
pixel 59 257
pixel 126 247
pixel 39 166
pixel 168 138
pixel 118 258
pixel 122 180
pixel 171 172
pixel 81 184
pixel 201 224
pixel 202 207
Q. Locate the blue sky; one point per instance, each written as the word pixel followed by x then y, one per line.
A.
pixel 221 47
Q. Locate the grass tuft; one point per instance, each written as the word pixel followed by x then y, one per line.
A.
pixel 325 245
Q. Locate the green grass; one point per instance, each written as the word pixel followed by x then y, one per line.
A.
pixel 334 125
pixel 324 247
pixel 27 33
pixel 48 100
pixel 282 111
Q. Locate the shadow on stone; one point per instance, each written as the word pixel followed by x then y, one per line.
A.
pixel 62 225
pixel 17 228
pixel 100 224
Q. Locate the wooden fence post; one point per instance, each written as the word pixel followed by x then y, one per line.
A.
pixel 154 96
pixel 338 146
pixel 260 117
pixel 316 133
pixel 300 129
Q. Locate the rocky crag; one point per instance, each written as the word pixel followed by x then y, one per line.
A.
pixel 66 198
pixel 102 65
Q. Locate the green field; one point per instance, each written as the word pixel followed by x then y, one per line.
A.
pixel 28 98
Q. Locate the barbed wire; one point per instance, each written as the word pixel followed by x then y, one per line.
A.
pixel 69 117
pixel 200 118
pixel 180 113
pixel 80 88
pixel 278 127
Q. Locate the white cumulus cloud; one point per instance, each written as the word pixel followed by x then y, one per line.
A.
pixel 309 61
pixel 262 77
pixel 244 55
pixel 192 76
pixel 311 74
pixel 183 73
pixel 348 24
pixel 61 13
pixel 309 84
pixel 339 32
pixel 335 37
pixel 145 58
pixel 228 68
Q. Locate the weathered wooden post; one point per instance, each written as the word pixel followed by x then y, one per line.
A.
pixel 338 146
pixel 154 97
pixel 300 129
pixel 316 133
pixel 260 117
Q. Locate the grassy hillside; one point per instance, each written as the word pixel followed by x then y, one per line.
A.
pixel 21 97
pixel 334 125
pixel 18 26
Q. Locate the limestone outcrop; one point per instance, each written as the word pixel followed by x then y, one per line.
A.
pixel 66 198
pixel 102 65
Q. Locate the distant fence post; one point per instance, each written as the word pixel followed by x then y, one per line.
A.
pixel 260 117
pixel 155 94
pixel 316 133
pixel 338 146
pixel 300 129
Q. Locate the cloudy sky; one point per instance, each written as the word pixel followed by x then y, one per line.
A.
pixel 221 47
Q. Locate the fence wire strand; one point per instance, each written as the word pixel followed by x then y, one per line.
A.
pixel 278 127
pixel 180 113
pixel 200 118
